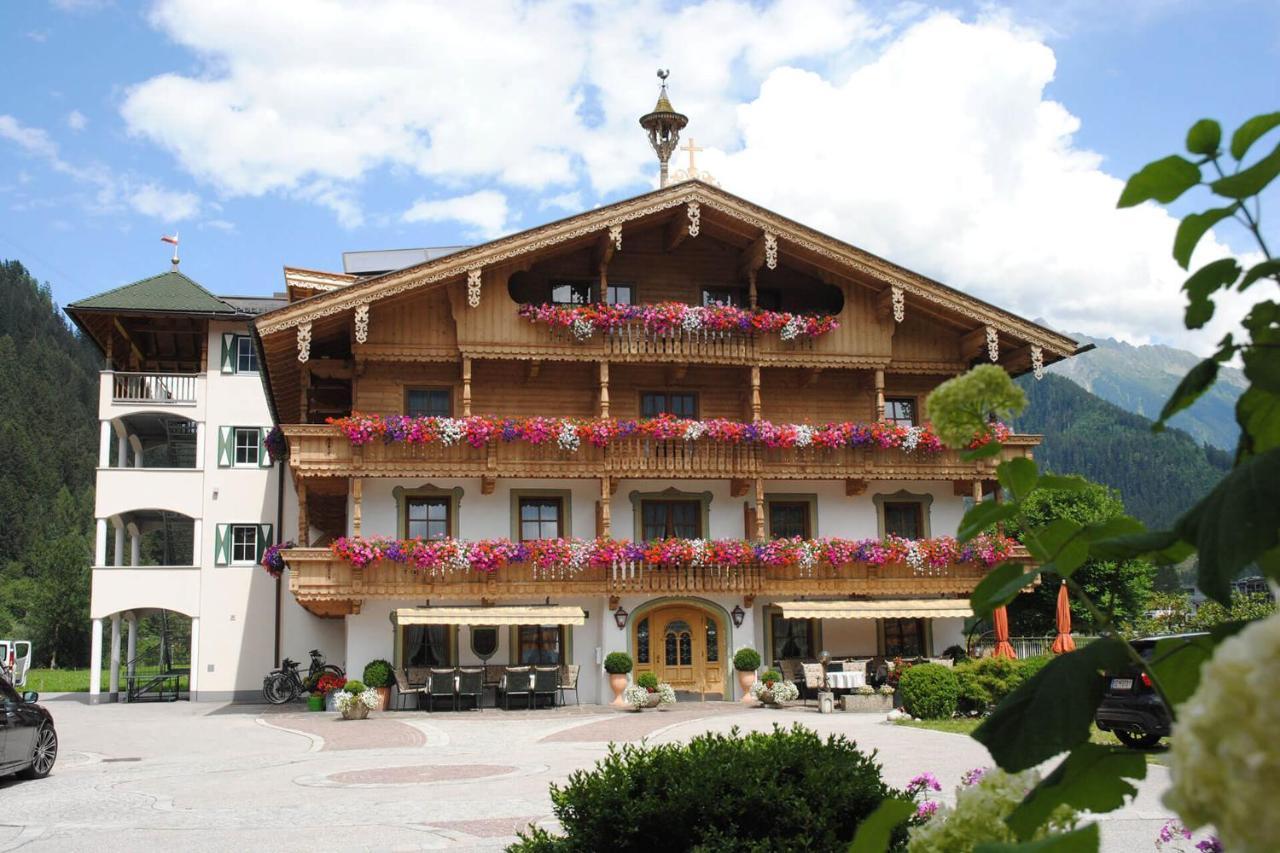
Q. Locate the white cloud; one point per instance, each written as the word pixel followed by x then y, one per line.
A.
pixel 223 225
pixel 485 211
pixel 163 204
pixel 915 135
pixel 33 140
pixel 77 120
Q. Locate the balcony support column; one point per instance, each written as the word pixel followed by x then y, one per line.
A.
pixel 136 444
pixel 197 526
pixel 95 657
pixel 357 494
pixel 466 386
pixel 753 297
pixel 122 450
pixel 104 446
pixel 100 544
pixel 200 445
pixel 117 556
pixel 604 389
pixel 759 508
pixel 755 392
pixel 304 528
pixel 606 521
pixel 879 383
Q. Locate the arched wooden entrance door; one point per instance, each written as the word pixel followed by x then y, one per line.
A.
pixel 685 647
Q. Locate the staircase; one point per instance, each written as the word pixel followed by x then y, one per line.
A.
pixel 162 673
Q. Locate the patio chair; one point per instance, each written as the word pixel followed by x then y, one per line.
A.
pixel 493 674
pixel 406 691
pixel 835 666
pixel 470 685
pixel 418 676
pixel 791 670
pixel 569 681
pixel 441 686
pixel 546 682
pixel 812 680
pixel 877 671
pixel 516 681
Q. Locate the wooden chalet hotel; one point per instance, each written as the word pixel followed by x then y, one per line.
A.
pixel 538 434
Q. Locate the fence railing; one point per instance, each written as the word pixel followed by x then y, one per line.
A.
pixel 178 389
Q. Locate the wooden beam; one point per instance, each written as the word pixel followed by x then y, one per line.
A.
pixel 676 232
pixel 877 377
pixel 755 392
pixel 853 488
pixel 884 305
pixel 304 529
pixel 752 258
pixel 602 253
pixel 604 389
pixel 357 492
pixel 605 525
pixel 753 295
pixel 974 344
pixel 759 508
pixel 466 387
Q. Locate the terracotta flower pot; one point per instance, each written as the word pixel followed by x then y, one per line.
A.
pixel 746 678
pixel 618 681
pixel 384 698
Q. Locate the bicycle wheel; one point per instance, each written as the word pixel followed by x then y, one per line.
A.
pixel 275 689
pixel 332 669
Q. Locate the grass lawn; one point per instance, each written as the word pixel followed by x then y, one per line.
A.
pixel 62 680
pixel 965 725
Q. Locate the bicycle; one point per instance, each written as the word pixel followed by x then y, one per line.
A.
pixel 285 684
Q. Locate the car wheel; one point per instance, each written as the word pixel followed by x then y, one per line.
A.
pixel 1137 740
pixel 43 755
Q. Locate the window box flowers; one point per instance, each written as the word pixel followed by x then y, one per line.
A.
pixel 668 319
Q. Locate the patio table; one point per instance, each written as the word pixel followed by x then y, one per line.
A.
pixel 846 680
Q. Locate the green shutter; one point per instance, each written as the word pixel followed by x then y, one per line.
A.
pixel 228 352
pixel 264 458
pixel 225 446
pixel 264 539
pixel 222 545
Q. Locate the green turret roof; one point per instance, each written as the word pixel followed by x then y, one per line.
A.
pixel 169 291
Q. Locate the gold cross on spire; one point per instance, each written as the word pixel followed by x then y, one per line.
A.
pixel 691 149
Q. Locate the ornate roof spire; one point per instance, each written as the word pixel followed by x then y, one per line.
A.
pixel 664 125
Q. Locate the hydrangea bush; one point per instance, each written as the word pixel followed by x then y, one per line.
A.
pixel 983 801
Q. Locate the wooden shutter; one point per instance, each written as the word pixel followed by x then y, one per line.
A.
pixel 748 521
pixel 222 545
pixel 264 458
pixel 264 539
pixel 226 445
pixel 228 352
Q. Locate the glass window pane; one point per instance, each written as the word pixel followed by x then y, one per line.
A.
pixel 246 355
pixel 900 411
pixel 903 638
pixel 244 543
pixel 619 294
pixel 653 514
pixel 713 641
pixel 685 521
pixel 686 649
pixel 246 446
pixel 791 638
pixel 540 518
pixel 721 296
pixel 571 293
pixel 429 402
pixel 652 405
pixel 539 644
pixel 428 518
pixel 642 641
pixel 426 645
pixel 904 519
pixel 788 519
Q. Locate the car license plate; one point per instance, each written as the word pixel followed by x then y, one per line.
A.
pixel 1122 684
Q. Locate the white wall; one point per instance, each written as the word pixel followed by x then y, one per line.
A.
pixel 849 637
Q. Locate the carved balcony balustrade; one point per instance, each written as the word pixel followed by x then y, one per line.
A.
pixel 323 451
pixel 316 576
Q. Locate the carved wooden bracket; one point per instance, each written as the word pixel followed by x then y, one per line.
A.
pixel 811 377
pixel 473 288
pixel 738 487
pixel 532 369
pixel 892 303
pixel 771 250
pixel 852 488
pixel 362 323
pixel 748 601
pixel 753 257
pixel 614 601
pixel 304 342
pixel 487 485
pixel 677 373
pixel 694 212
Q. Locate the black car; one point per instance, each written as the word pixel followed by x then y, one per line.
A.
pixel 1131 709
pixel 28 741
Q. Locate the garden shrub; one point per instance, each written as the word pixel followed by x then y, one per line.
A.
pixel 746 660
pixel 986 681
pixel 378 673
pixel 647 680
pixel 929 691
pixel 770 676
pixel 354 687
pixel 719 793
pixel 618 663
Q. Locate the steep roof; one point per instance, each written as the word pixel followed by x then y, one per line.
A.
pixel 168 292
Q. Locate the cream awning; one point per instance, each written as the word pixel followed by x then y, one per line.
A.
pixel 901 608
pixel 506 615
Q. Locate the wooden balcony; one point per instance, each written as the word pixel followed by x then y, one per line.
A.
pixel 322 451
pixel 317 577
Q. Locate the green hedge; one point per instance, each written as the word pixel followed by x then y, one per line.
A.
pixel 754 792
pixel 929 691
pixel 984 682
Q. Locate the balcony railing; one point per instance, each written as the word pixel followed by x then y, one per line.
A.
pixel 169 389
pixel 322 450
pixel 316 575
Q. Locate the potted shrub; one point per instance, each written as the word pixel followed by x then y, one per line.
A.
pixel 618 664
pixel 746 662
pixel 772 689
pixel 379 676
pixel 328 686
pixel 867 699
pixel 648 692
pixel 355 701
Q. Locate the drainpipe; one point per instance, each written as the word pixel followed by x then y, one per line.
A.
pixel 279 539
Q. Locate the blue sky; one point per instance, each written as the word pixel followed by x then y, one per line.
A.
pixel 290 134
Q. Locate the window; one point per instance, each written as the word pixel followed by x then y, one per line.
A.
pixel 248 446
pixel 541 518
pixel 671 519
pixel 792 638
pixel 900 411
pixel 642 641
pixel 789 519
pixel 246 355
pixel 571 293
pixel 682 404
pixel 540 645
pixel 769 300
pixel 428 402
pixel 620 294
pixel 426 645
pixel 427 518
pixel 905 519
pixel 903 638
pixel 244 544
pixel 721 296
pixel 713 641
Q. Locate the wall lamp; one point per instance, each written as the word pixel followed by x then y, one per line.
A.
pixel 620 616
pixel 738 615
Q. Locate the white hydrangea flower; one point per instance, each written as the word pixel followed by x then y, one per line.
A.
pixel 692 319
pixel 911 439
pixel 915 558
pixel 582 328
pixel 804 435
pixel 979 813
pixel 451 430
pixel 791 329
pixel 567 436
pixel 694 431
pixel 1224 753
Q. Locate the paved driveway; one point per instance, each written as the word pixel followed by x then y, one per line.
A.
pixel 237 777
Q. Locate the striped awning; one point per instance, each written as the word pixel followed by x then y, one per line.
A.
pixel 504 615
pixel 899 608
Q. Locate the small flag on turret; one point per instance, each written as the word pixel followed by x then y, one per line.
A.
pixel 164 238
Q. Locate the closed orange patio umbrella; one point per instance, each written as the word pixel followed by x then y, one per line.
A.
pixel 1004 649
pixel 1063 642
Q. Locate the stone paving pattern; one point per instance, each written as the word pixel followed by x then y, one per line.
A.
pixel 239 777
